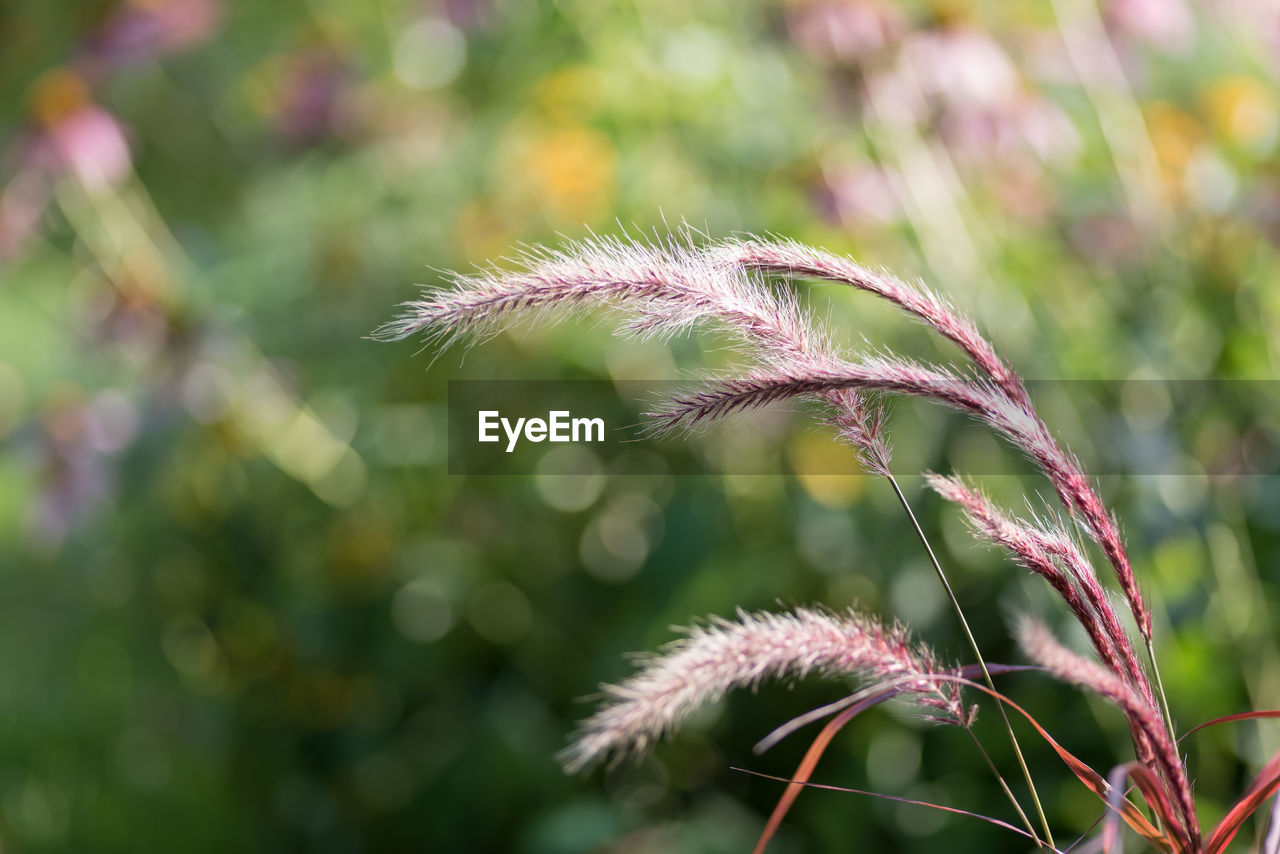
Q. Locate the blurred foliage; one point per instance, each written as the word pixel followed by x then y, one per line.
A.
pixel 244 606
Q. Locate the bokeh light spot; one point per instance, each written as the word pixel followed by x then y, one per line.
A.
pixel 421 610
pixel 569 478
pixel 617 540
pixel 430 53
pixel 499 612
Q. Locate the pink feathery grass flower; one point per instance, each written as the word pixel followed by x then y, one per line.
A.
pixel 721 655
pixel 665 288
pixel 1046 549
pixel 1039 645
pixel 668 287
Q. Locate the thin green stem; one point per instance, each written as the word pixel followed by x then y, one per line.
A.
pixel 1026 822
pixel 973 644
pixel 1164 700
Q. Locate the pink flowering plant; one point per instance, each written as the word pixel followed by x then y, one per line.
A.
pixel 668 287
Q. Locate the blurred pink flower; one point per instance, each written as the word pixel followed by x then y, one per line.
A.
pixel 87 142
pixel 470 14
pixel 896 97
pixel 68 136
pixel 858 195
pixel 1026 124
pixel 843 30
pixel 1047 129
pixel 309 98
pixel 981 104
pixel 953 84
pixel 138 29
pixel 964 68
pixel 1167 24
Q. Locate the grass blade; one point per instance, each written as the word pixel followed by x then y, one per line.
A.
pixel 810 761
pixel 1262 787
pixel 1086 775
pixel 956 810
pixel 1239 716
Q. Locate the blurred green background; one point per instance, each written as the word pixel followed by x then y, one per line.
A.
pixel 243 605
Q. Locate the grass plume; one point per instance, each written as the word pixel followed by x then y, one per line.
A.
pixel 675 285
pixel 721 655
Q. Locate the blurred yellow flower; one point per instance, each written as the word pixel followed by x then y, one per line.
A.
pixel 1176 136
pixel 567 171
pixel 1243 110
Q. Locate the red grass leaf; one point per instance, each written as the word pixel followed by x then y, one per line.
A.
pixel 972 671
pixel 1226 719
pixel 810 761
pixel 1091 779
pixel 997 822
pixel 823 739
pixel 1262 787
